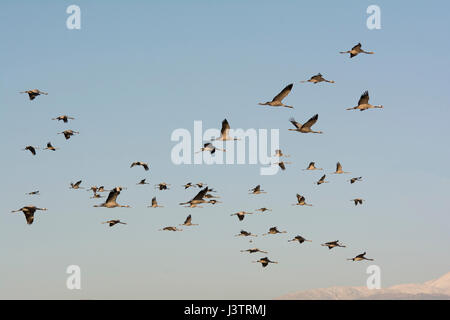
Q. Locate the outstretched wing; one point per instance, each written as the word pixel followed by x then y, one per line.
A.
pixel 145 166
pixel 154 203
pixel 201 194
pixel 357 47
pixel 338 167
pixel 188 219
pixel 279 97
pixel 295 123
pixel 225 127
pixel 112 196
pixel 364 98
pixel 323 178
pixel 311 121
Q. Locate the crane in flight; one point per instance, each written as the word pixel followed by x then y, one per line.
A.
pixel 282 164
pixel 68 133
pixel 306 127
pixel 63 118
pixel 244 233
pixel 111 201
pixel 360 257
pixel 312 166
pixel 241 214
pixel 170 228
pixel 273 230
pixel 162 186
pixel 264 261
pixel 224 133
pixel 254 250
pixel 300 239
pixel 353 180
pixel 34 93
pixel 76 185
pixel 339 169
pixel 31 149
pixel 357 201
pixel 113 222
pixel 155 204
pixel 188 222
pixel 277 100
pixel 140 163
pixel 316 79
pixel 198 199
pixel 209 147
pixel 29 211
pixel 301 201
pixel 279 154
pixel 50 147
pixel 257 190
pixel 356 50
pixel 363 103
pixel 322 180
pixel 142 182
pixel 332 244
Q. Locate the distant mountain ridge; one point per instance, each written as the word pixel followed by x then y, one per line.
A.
pixel 434 289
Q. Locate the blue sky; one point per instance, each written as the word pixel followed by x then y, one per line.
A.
pixel 137 71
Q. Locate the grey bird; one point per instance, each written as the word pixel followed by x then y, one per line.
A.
pixel 29 211
pixel 306 127
pixel 277 100
pixel 357 50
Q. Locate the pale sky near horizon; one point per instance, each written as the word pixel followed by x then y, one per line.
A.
pixel 138 70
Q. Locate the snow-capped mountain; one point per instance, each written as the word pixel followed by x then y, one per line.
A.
pixel 433 289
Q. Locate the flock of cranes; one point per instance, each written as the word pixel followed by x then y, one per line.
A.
pixel 205 195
